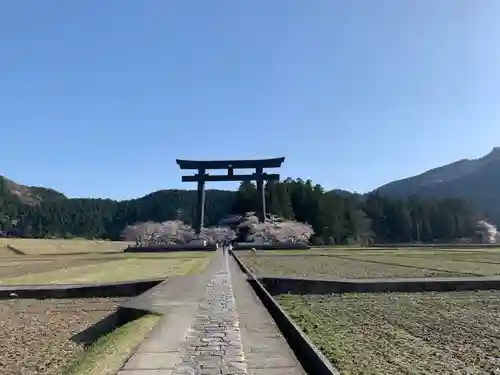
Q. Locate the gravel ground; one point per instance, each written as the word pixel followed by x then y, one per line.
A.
pixel 35 335
pixel 395 333
pixel 333 267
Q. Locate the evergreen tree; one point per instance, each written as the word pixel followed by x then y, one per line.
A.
pixel 336 217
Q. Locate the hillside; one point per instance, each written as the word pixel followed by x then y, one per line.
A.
pixel 476 180
pixel 30 195
pixel 40 212
pixel 336 216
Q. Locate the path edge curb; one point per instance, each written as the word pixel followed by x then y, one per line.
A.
pixel 309 356
pixel 116 289
pixel 298 285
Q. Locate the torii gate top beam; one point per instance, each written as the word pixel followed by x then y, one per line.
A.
pixel 230 164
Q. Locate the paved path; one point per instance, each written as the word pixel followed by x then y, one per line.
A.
pixel 175 292
pixel 204 338
pixel 266 350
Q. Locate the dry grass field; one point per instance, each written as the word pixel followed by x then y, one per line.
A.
pixel 97 268
pixel 59 246
pixel 38 336
pixel 91 271
pixel 33 261
pixel 397 334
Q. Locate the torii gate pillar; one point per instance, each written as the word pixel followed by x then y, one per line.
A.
pixel 230 165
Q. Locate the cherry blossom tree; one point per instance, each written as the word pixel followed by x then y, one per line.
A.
pixel 487 232
pixel 275 229
pixel 261 232
pixel 151 233
pixel 291 231
pixel 142 233
pixel 249 219
pixel 231 221
pixel 217 234
pixel 177 232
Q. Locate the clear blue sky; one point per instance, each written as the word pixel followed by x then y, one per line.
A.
pixel 98 98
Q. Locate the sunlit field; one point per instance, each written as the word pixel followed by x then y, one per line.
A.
pixel 374 263
pixel 31 261
pixel 403 333
pixel 58 246
pixel 393 333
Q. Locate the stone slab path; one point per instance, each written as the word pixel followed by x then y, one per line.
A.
pixel 220 328
pixel 266 350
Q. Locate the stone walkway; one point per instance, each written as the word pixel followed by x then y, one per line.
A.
pixel 266 350
pixel 205 338
pixel 213 344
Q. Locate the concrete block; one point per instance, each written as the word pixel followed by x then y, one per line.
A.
pixel 152 361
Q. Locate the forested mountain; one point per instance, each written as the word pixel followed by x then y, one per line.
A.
pixel 477 181
pixel 336 216
pixel 28 194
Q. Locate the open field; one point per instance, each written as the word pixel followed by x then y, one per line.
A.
pixel 36 335
pixel 437 262
pixel 333 267
pixel 368 263
pixel 84 269
pixel 58 246
pixel 394 333
pixel 344 250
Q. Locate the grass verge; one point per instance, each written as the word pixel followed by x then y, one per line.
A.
pixel 108 354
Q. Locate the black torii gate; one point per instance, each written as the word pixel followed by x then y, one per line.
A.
pixel 230 165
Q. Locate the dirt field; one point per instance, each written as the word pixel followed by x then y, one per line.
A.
pixel 419 333
pixel 93 268
pixel 333 267
pixel 374 263
pixel 35 335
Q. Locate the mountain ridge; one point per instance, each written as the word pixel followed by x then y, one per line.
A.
pixel 475 180
pixel 336 216
pixel 30 195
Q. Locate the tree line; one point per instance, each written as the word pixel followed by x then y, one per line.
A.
pixel 337 217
